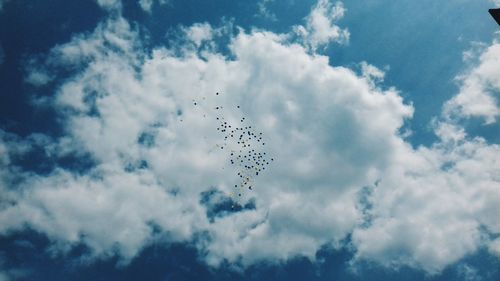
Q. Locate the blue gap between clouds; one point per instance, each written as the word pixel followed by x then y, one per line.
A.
pixel 32 28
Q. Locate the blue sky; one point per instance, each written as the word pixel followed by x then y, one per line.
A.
pixel 380 118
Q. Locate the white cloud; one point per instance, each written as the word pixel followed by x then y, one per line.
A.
pixel 494 247
pixel 147 5
pixel 330 131
pixel 264 10
pixel 431 203
pixel 36 78
pixel 111 5
pixel 116 5
pixel 371 72
pixel 300 103
pixel 112 214
pixel 469 273
pixel 199 33
pixel 320 29
pixel 480 88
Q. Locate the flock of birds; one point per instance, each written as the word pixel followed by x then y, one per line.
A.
pixel 244 145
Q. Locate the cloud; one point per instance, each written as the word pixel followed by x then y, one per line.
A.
pixel 334 135
pixel 469 273
pixel 122 93
pixel 495 247
pixel 371 72
pixel 147 5
pixel 7 274
pixel 431 204
pixel 264 10
pixel 37 77
pixel 479 90
pixel 198 33
pixel 437 204
pixel 320 29
pixel 116 5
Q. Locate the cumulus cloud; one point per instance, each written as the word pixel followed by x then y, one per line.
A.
pixel 430 205
pixel 198 33
pixel 436 205
pixel 333 133
pixel 320 28
pixel 297 100
pixel 480 88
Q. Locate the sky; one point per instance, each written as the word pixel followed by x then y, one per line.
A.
pixel 375 123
